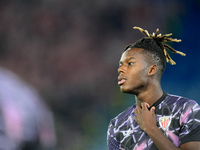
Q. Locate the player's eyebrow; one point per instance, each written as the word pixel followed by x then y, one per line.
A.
pixel 130 58
pixel 127 59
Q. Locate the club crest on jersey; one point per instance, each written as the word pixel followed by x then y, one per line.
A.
pixel 165 122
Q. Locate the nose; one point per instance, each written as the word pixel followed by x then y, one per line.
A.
pixel 121 69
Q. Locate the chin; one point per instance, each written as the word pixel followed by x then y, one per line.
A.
pixel 125 90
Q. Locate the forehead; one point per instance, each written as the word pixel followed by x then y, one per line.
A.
pixel 135 53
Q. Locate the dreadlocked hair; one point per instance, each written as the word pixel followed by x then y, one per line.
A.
pixel 155 45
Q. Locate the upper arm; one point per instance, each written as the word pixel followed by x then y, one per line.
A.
pixel 111 140
pixel 190 146
pixel 189 123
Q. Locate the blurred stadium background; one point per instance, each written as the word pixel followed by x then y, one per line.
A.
pixel 70 49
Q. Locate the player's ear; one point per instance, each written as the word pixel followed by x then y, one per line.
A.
pixel 152 69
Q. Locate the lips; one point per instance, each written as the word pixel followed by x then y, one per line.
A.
pixel 121 80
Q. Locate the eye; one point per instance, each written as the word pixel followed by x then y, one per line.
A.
pixel 130 63
pixel 120 64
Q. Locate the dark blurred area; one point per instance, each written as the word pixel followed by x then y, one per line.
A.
pixel 69 51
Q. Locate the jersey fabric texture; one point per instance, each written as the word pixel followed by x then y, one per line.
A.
pixel 177 117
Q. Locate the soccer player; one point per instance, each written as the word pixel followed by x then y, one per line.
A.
pixel 158 120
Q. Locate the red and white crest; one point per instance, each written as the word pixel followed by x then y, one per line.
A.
pixel 165 122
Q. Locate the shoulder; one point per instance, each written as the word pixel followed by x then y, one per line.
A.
pixel 120 118
pixel 180 101
pixel 178 106
pixel 185 107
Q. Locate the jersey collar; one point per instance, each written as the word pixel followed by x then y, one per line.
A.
pixel 159 100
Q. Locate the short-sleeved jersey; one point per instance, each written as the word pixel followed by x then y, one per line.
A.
pixel 177 117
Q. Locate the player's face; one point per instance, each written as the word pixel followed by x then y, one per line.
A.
pixel 133 71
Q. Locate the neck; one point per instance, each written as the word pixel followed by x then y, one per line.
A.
pixel 149 96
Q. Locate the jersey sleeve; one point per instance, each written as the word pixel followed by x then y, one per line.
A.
pixel 190 122
pixel 112 143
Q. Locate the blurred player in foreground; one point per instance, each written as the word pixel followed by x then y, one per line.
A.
pixel 26 123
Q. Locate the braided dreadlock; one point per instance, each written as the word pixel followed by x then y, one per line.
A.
pixel 154 43
pixel 161 39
